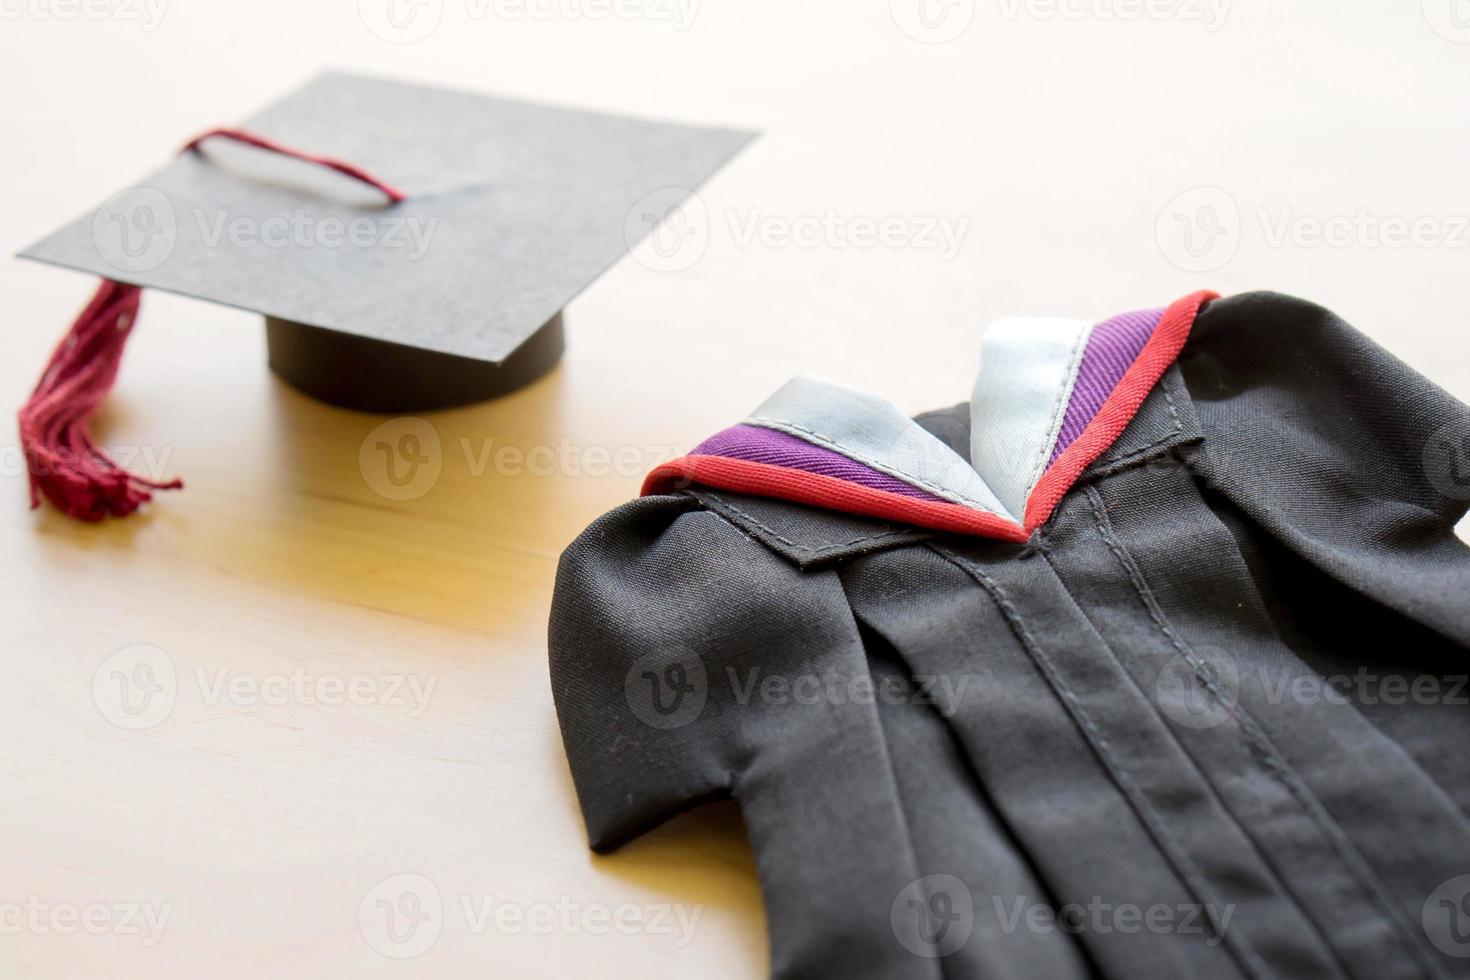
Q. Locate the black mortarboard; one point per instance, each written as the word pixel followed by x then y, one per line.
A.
pixel 452 294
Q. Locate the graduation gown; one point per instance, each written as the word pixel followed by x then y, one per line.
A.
pixel 1202 715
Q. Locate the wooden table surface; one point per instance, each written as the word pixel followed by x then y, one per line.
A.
pixel 283 724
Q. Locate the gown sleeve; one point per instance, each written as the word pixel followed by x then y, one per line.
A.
pixel 691 662
pixel 642 598
pixel 1352 459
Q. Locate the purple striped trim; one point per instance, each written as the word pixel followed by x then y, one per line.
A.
pixel 1111 350
pixel 761 445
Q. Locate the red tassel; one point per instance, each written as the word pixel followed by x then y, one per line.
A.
pixel 65 465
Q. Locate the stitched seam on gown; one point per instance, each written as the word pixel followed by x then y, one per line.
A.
pixel 1174 853
pixel 1358 867
pixel 1265 865
pixel 900 813
pixel 1109 459
pixel 1117 464
pixel 1058 412
pixel 755 521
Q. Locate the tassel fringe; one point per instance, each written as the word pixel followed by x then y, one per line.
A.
pixel 66 466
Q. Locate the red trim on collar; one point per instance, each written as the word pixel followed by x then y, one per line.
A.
pixel 829 493
pixel 1119 408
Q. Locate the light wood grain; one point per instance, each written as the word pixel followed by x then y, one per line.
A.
pixel 262 827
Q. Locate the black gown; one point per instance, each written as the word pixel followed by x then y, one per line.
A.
pixel 1211 720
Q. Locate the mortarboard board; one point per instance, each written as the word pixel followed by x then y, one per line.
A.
pixel 410 248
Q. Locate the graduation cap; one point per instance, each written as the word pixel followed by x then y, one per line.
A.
pixel 410 248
